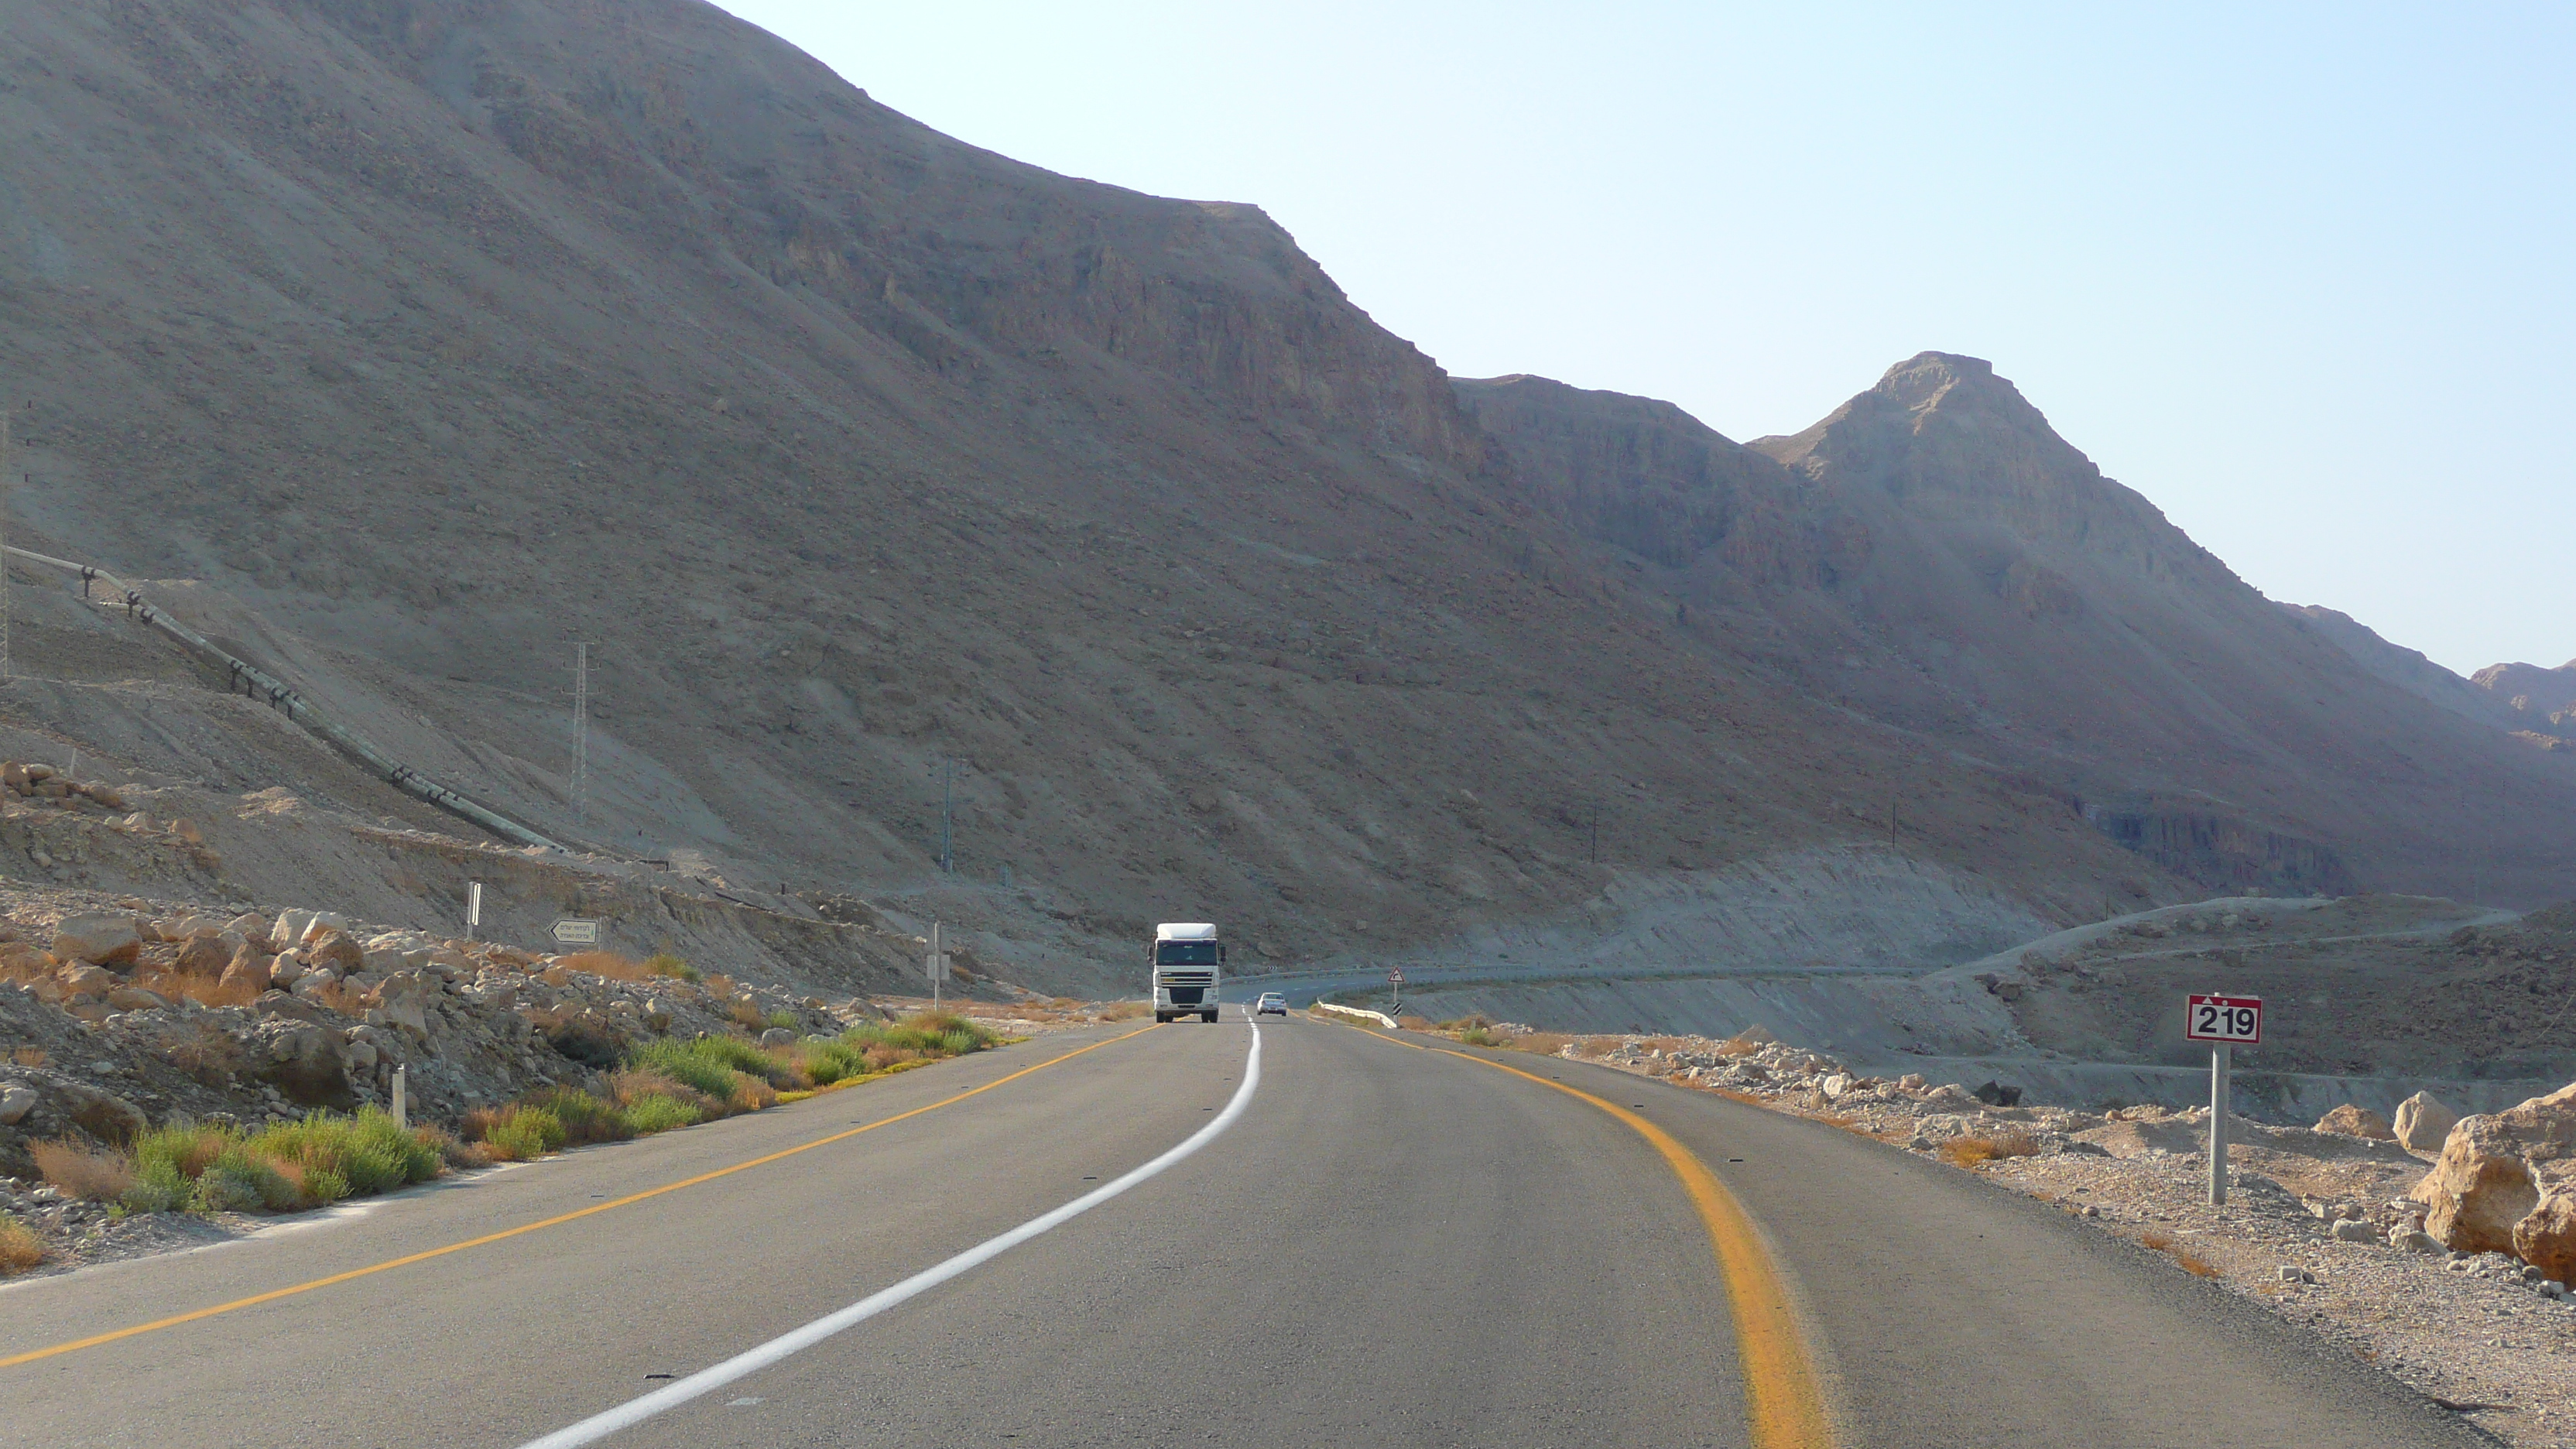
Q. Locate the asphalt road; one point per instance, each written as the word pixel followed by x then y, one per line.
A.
pixel 1389 1246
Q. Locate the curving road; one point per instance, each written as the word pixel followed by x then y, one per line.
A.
pixel 1389 1244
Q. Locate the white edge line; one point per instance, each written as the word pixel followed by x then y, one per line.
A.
pixel 742 1365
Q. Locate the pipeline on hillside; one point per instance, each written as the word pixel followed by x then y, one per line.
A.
pixel 260 685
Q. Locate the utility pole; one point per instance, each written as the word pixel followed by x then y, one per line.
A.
pixel 581 736
pixel 947 816
pixel 8 460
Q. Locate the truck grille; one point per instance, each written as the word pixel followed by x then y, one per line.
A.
pixel 1187 978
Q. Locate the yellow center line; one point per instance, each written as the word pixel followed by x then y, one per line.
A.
pixel 392 1263
pixel 1784 1402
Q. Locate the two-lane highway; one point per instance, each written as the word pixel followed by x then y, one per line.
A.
pixel 1392 1244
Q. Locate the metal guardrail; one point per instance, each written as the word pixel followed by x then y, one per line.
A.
pixel 1379 1017
pixel 283 698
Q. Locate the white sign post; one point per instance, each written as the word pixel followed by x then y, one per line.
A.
pixel 2222 1021
pixel 938 965
pixel 577 933
pixel 473 907
pixel 1395 978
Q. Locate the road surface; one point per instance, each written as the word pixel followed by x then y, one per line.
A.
pixel 1384 1243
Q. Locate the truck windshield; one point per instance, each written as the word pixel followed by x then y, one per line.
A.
pixel 1185 953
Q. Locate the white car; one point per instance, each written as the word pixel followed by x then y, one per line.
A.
pixel 1270 1002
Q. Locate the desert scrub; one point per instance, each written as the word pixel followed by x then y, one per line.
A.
pixel 519 1133
pixel 1973 1151
pixel 663 963
pixel 20 1248
pixel 654 1112
pixel 585 1118
pixel 318 1159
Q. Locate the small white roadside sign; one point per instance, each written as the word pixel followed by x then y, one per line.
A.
pixel 577 933
pixel 2237 1020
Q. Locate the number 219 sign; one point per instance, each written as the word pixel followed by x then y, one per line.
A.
pixel 2224 1018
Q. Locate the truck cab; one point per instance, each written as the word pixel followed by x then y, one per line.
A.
pixel 1187 962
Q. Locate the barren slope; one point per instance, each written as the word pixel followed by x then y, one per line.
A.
pixel 435 338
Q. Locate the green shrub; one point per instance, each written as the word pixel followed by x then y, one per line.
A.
pixel 367 1152
pixel 242 1181
pixel 585 1118
pixel 684 1063
pixel 663 963
pixel 524 1132
pixel 935 1033
pixel 323 1186
pixel 783 1019
pixel 826 1062
pixel 657 1113
pixel 158 1188
pixel 1478 1036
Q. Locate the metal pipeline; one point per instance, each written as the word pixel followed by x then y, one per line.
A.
pixel 282 698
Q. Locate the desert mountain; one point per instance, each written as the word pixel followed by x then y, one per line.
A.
pixel 424 340
pixel 1933 556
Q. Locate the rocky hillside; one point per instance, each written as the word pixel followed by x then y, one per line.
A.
pixel 1934 557
pixel 401 347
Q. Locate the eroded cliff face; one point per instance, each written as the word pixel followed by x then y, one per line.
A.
pixel 1656 482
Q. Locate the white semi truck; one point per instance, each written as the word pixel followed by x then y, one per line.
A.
pixel 1187 962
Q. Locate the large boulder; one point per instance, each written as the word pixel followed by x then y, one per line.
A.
pixel 308 1063
pixel 2423 1123
pixel 332 949
pixel 206 954
pixel 2351 1121
pixel 2546 1237
pixel 2479 1189
pixel 246 977
pixel 403 999
pixel 2544 1126
pixel 101 940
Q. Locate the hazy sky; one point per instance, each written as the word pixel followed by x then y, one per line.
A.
pixel 2301 277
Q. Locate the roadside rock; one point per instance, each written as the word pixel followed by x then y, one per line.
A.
pixel 2479 1189
pixel 15 1103
pixel 101 940
pixel 332 949
pixel 2424 1123
pixel 205 955
pixel 2546 1238
pixel 246 977
pixel 2351 1121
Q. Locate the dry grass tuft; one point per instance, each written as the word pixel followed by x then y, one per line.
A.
pixel 1975 1151
pixel 83 1172
pixel 1126 1010
pixel 20 1248
pixel 2197 1267
pixel 605 963
pixel 31 1056
pixel 1544 1043
pixel 2155 1242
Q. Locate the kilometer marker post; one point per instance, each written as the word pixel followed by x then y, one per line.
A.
pixel 2222 1021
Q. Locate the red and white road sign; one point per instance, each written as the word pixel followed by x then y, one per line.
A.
pixel 2237 1019
pixel 1395 977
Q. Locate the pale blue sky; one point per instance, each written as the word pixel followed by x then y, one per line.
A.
pixel 2299 274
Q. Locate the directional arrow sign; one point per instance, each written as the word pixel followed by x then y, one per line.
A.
pixel 577 933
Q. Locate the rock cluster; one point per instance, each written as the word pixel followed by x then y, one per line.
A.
pixel 2506 1183
pixel 123 1018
